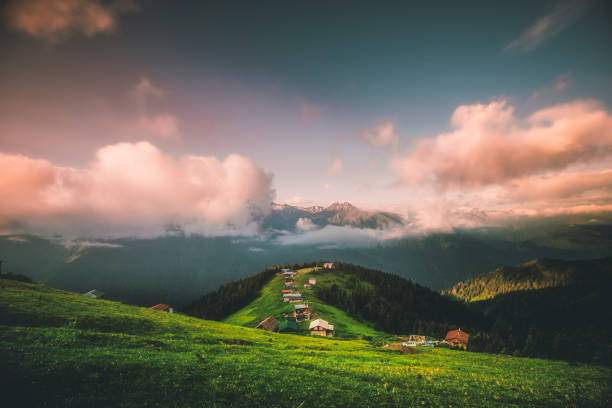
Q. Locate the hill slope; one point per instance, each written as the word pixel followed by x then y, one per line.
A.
pixel 552 308
pixel 358 301
pixel 533 275
pixel 62 349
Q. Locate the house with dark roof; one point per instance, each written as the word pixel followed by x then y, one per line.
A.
pixel 162 307
pixel 288 282
pixel 301 312
pixel 457 338
pixel 94 293
pixel 269 324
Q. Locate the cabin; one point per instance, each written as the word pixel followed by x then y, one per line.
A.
pixel 292 297
pixel 415 338
pixel 269 323
pixel 457 338
pixel 302 312
pixel 288 326
pixel 162 307
pixel 328 265
pixel 307 286
pixel 312 281
pixel 321 327
pixel 289 274
pixel 94 293
pixel 288 282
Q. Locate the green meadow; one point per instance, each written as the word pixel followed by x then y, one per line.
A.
pixel 61 349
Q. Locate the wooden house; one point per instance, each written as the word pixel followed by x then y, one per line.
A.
pixel 307 286
pixel 321 327
pixel 457 338
pixel 301 312
pixel 288 282
pixel 269 324
pixel 292 297
pixel 328 265
pixel 415 338
pixel 94 293
pixel 162 307
pixel 288 326
pixel 312 281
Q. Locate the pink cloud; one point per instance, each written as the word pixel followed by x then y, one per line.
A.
pixel 52 19
pixel 381 135
pixel 133 188
pixel 490 145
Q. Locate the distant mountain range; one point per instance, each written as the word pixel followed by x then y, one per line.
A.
pixel 177 268
pixel 285 217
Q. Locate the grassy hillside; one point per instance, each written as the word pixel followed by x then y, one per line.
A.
pixel 270 303
pixel 533 275
pixel 61 349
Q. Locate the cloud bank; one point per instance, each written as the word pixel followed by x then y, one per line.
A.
pixel 556 160
pixel 55 19
pixel 134 189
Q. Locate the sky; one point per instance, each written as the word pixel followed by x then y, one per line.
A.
pixel 126 115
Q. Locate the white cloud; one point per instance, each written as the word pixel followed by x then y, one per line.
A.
pixel 305 224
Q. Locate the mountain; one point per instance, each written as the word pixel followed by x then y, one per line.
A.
pixel 359 301
pixel 62 349
pixel 284 217
pixel 533 275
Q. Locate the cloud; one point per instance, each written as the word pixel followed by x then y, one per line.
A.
pixel 55 19
pixel 134 189
pixel 381 135
pixel 163 125
pixel 305 224
pixel 336 235
pixel 145 92
pixel 489 145
pixel 146 95
pixel 563 15
pixel 560 83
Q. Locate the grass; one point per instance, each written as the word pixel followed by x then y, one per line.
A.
pixel 270 303
pixel 65 350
